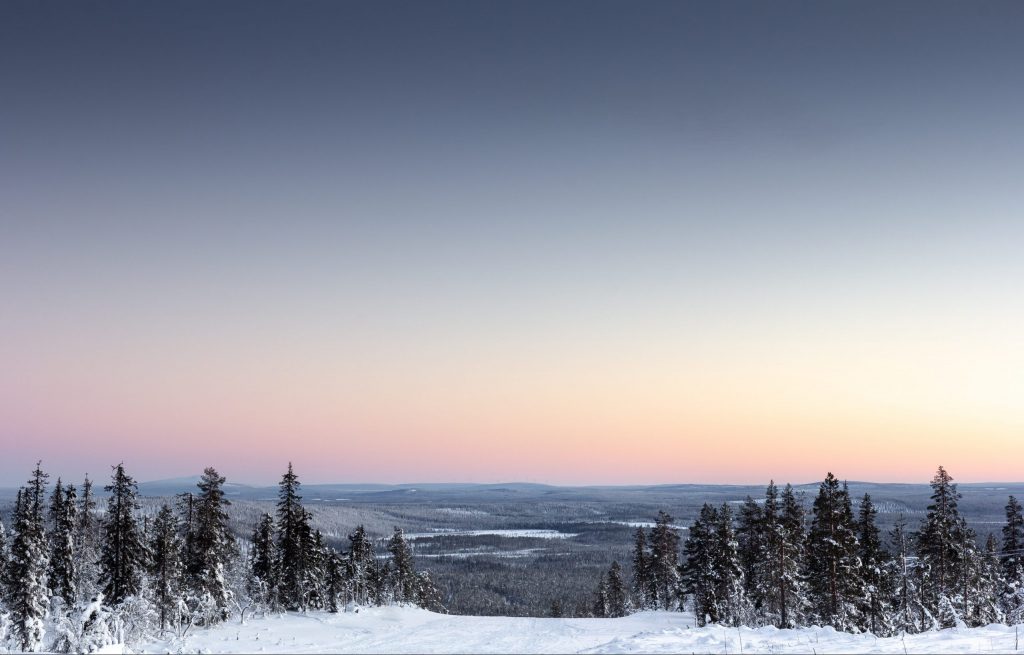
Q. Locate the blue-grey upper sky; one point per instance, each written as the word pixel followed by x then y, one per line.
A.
pixel 438 222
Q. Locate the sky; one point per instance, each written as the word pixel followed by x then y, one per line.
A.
pixel 566 242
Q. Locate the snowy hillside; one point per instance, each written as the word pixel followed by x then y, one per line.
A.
pixel 408 630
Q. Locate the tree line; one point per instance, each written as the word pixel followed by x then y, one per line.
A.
pixel 74 579
pixel 773 563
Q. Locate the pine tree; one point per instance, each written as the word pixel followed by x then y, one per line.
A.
pixel 664 562
pixel 700 574
pixel 316 568
pixel 750 536
pixel 64 518
pixel 123 557
pixel 166 567
pixel 360 565
pixel 263 562
pixel 909 614
pixel 835 587
pixel 87 537
pixel 641 571
pixel 617 600
pixel 291 525
pixel 734 608
pixel 988 586
pixel 427 594
pixel 26 576
pixel 876 570
pixel 791 560
pixel 404 575
pixel 335 580
pixel 941 549
pixel 599 610
pixel 765 585
pixel 1012 554
pixel 213 547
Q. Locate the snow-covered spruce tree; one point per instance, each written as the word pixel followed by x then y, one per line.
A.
pixel 87 539
pixel 876 572
pixel 123 556
pixel 63 559
pixel 427 594
pixel 359 566
pixel 599 609
pixel 403 574
pixel 988 584
pixel 166 569
pixel 316 568
pixel 909 615
pixel 664 562
pixel 27 594
pixel 337 586
pixel 833 568
pixel 791 561
pixel 617 600
pixel 1012 560
pixel 750 534
pixel 940 551
pixel 291 526
pixel 699 573
pixel 641 587
pixel 213 548
pixel 766 569
pixel 263 561
pixel 380 592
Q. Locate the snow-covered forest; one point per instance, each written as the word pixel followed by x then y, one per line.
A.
pixel 80 575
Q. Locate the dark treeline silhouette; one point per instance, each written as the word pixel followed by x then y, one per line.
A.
pixel 73 579
pixel 775 563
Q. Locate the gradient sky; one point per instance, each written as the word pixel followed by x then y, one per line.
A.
pixel 568 242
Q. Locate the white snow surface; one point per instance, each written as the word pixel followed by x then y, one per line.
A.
pixel 409 630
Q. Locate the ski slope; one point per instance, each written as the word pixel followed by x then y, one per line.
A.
pixel 408 630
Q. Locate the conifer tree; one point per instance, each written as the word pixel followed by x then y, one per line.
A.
pixel 166 567
pixel 335 580
pixel 404 575
pixel 87 537
pixel 664 562
pixel 940 550
pixel 291 526
pixel 63 559
pixel 316 558
pixel 790 559
pixel 360 565
pixel 734 607
pixel 599 610
pixel 428 596
pixel 700 574
pixel 988 585
pixel 263 562
pixel 909 614
pixel 876 570
pixel 752 549
pixel 27 592
pixel 765 586
pixel 641 571
pixel 214 545
pixel 616 598
pixel 1012 561
pixel 123 557
pixel 835 586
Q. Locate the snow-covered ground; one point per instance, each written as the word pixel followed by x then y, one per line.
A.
pixel 407 630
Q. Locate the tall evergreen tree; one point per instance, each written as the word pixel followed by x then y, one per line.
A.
pixel 790 557
pixel 87 538
pixel 263 562
pixel 941 551
pixel 700 574
pixel 909 615
pixel 876 569
pixel 1012 561
pixel 27 592
pixel 291 526
pixel 123 557
pixel 752 548
pixel 664 562
pixel 214 545
pixel 403 572
pixel 835 586
pixel 643 583
pixel 428 596
pixel 63 558
pixel 166 567
pixel 360 566
pixel 988 585
pixel 617 599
